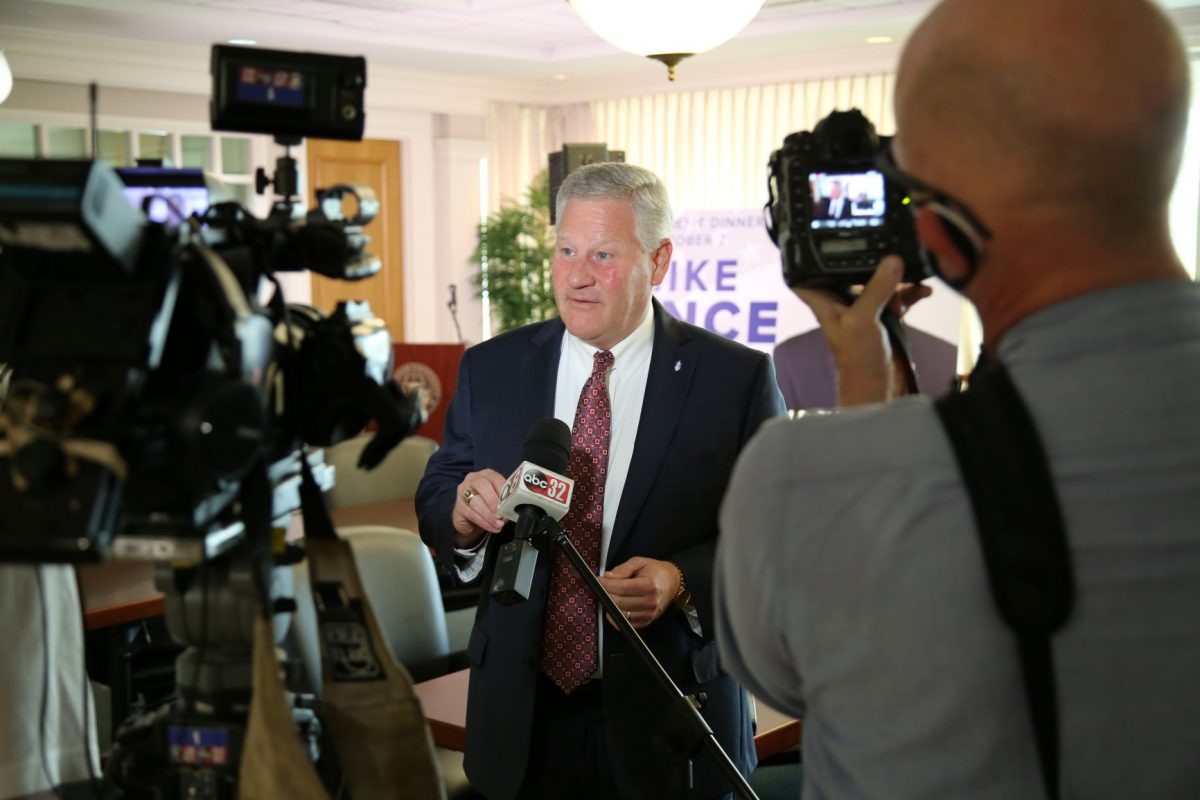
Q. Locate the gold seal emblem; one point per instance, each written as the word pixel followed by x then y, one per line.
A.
pixel 414 375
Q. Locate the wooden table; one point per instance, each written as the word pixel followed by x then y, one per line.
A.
pixel 120 592
pixel 776 731
pixel 444 700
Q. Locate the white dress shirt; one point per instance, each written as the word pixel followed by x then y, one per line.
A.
pixel 626 391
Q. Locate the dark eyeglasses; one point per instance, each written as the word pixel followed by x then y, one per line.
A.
pixel 922 194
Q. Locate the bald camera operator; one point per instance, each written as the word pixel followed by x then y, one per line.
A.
pixel 1039 142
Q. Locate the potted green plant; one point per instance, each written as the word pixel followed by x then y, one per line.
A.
pixel 514 252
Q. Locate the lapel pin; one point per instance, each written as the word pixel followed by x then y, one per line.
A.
pixel 678 365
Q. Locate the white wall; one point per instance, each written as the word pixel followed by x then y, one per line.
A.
pixel 1185 202
pixel 457 208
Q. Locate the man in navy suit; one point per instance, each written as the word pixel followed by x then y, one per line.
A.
pixel 835 206
pixel 681 403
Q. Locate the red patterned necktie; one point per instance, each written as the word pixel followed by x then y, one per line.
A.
pixel 570 638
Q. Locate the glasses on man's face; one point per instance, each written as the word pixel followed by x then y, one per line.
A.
pixel 921 194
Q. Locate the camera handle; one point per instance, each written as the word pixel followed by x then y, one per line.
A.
pixel 685 731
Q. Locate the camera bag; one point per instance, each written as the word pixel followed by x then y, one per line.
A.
pixel 1021 534
pixel 373 714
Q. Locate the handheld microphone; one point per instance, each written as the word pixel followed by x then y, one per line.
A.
pixel 536 489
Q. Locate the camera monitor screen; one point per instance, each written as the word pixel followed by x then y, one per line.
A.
pixel 175 194
pixel 847 199
pixel 271 86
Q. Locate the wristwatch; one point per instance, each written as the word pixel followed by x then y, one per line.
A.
pixel 683 598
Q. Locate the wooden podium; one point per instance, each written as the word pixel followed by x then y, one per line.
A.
pixel 433 367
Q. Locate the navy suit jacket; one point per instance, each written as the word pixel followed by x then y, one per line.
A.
pixel 705 396
pixel 821 211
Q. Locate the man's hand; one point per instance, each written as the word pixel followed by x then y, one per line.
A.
pixel 643 588
pixel 857 339
pixel 475 508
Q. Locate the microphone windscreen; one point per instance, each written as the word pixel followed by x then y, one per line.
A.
pixel 548 445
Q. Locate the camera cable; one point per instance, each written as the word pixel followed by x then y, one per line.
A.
pixel 898 336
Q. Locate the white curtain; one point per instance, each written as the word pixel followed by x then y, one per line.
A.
pixel 711 147
pixel 522 137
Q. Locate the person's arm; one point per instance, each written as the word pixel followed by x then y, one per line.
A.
pixel 449 522
pixel 862 354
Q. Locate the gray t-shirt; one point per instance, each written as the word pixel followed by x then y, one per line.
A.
pixel 851 589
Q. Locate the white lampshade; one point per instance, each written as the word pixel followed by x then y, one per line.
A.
pixel 5 78
pixel 658 28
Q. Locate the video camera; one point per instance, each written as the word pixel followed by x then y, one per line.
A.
pixel 146 378
pixel 832 212
pixel 157 411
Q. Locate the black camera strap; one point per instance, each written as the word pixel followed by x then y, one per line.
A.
pixel 1021 533
pixel 898 336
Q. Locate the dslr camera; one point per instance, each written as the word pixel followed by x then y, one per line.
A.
pixel 832 212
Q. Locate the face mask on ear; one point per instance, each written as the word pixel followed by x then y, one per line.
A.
pixel 966 232
pixel 966 240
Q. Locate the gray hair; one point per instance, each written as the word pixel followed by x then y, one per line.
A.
pixel 640 187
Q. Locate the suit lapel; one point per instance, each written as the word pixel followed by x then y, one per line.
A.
pixel 539 374
pixel 667 385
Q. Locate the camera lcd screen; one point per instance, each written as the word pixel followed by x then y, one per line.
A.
pixel 175 194
pixel 847 199
pixel 271 87
pixel 843 246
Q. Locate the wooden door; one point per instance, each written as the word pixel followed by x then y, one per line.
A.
pixel 376 163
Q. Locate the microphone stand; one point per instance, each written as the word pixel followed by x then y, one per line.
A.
pixel 686 732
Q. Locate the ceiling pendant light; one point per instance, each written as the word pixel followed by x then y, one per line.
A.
pixel 666 30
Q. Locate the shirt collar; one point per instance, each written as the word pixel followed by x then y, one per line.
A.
pixel 641 337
